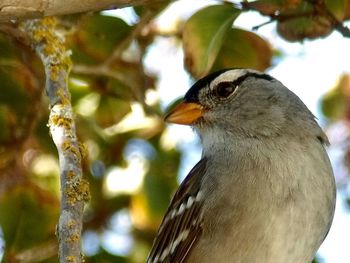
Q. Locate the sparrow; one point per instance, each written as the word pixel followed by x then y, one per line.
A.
pixel 263 191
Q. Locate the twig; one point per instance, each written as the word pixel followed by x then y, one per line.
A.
pixel 344 30
pixel 74 190
pixel 282 18
pixel 255 28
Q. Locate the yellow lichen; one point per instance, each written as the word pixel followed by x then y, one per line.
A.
pixel 67 62
pixel 70 195
pixel 49 45
pixel 70 174
pixel 71 223
pixel 64 122
pixel 84 190
pixel 68 146
pixel 54 72
pixel 83 150
pixel 73 238
pixel 77 191
pixel 61 121
pixel 70 259
pixel 75 151
pixel 63 97
pixel 54 119
pixel 50 21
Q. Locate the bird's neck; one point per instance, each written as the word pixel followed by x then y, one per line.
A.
pixel 226 143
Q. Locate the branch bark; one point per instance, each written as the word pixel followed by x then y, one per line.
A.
pixel 49 46
pixel 22 9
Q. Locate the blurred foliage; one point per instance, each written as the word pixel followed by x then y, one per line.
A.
pixel 335 104
pixel 108 84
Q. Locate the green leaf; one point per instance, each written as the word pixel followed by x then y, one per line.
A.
pixel 28 216
pixel 119 89
pixel 103 256
pixel 160 181
pixel 334 103
pixel 97 36
pixel 244 49
pixel 7 49
pixel 203 36
pixel 337 8
pixel 13 89
pixel 4 121
pixel 110 111
pixel 79 86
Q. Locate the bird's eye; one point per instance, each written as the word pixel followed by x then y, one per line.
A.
pixel 225 89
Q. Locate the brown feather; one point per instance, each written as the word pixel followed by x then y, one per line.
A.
pixel 172 227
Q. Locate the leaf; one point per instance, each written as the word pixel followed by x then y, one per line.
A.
pixel 305 27
pixel 270 7
pixel 159 184
pixel 28 216
pixel 13 89
pixel 123 90
pixel 110 111
pixel 7 49
pixel 156 7
pixel 302 22
pixel 4 124
pixel 203 36
pixel 97 36
pixel 103 256
pixel 244 49
pixel 335 104
pixel 264 7
pixel 79 87
pixel 338 8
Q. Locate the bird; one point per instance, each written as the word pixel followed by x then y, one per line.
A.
pixel 264 189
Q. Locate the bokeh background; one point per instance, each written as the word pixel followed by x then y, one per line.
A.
pixel 129 65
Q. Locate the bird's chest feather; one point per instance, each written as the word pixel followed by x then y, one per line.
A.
pixel 268 207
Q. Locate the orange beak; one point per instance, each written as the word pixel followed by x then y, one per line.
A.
pixel 185 113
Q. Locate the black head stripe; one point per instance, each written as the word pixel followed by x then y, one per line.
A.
pixel 239 80
pixel 192 93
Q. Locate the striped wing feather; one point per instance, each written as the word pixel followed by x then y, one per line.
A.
pixel 181 226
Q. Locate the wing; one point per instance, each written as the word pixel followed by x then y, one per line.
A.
pixel 181 225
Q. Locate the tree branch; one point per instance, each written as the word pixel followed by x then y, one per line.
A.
pixel 22 9
pixel 74 190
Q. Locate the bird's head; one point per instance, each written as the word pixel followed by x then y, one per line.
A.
pixel 243 103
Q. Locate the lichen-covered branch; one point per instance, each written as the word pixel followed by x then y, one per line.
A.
pixel 19 9
pixel 49 46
